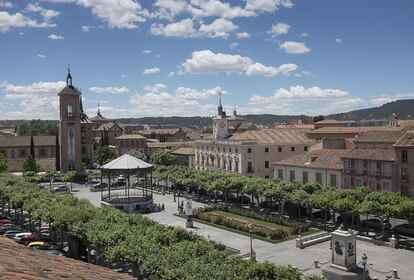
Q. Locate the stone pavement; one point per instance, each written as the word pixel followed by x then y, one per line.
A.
pixel 381 258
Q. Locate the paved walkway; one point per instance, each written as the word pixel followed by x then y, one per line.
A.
pixel 382 258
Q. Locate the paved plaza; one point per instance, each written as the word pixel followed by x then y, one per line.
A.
pixel 380 258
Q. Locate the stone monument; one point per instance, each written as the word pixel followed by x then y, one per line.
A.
pixel 188 211
pixel 344 263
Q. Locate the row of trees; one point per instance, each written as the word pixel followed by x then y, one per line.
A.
pixel 152 249
pixel 382 204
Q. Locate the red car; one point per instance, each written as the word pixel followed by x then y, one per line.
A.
pixel 28 239
pixel 6 221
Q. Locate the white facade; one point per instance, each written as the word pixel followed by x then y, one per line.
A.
pixel 244 157
pixel 325 177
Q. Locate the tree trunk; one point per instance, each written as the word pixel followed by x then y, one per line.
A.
pixel 325 218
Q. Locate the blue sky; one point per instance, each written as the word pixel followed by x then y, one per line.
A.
pixel 165 57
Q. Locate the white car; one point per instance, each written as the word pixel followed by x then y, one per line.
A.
pixel 61 189
pixel 21 235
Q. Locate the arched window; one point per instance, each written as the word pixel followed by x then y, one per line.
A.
pixel 70 110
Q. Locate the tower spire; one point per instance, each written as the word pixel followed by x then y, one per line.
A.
pixel 234 109
pixel 220 107
pixel 99 111
pixel 69 77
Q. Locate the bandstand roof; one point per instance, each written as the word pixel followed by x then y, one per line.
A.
pixel 126 162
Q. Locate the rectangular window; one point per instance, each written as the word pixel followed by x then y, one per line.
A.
pixel 266 164
pixel 386 186
pixel 305 177
pixel 229 150
pixel 279 149
pixel 224 149
pixel 267 177
pixel 386 169
pixel 249 150
pixel 280 174
pixel 404 156
pixel 266 149
pixel 319 178
pixel 372 168
pixel 249 167
pixel 371 185
pixel 292 149
pixel 347 183
pixel 292 175
pixel 359 167
pixel 347 166
pixel 305 148
pixel 83 150
pixel 237 151
pixel 358 183
pixel 404 174
pixel 333 180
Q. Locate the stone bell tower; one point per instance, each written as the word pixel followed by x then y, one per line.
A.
pixel 70 127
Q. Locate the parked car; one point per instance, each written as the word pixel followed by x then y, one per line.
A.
pixel 375 224
pixel 11 233
pixel 5 221
pixel 4 228
pixel 118 183
pixel 99 185
pixel 28 239
pixel 61 189
pixel 19 236
pixel 40 245
pixel 405 229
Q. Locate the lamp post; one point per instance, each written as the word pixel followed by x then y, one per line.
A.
pixel 178 201
pixel 252 253
pixel 364 263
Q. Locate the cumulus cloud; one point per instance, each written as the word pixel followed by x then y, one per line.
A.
pixel 168 9
pixel 183 28
pixel 279 29
pixel 55 37
pixel 233 45
pixel 21 19
pixel 118 14
pixel 218 28
pixel 87 28
pixel 241 35
pixel 152 70
pixel 37 100
pixel 193 94
pixel 267 5
pixel 294 47
pixel 6 4
pixel 112 90
pixel 208 62
pixel 378 101
pixel 216 8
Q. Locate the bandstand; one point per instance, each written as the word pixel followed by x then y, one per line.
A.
pixel 124 198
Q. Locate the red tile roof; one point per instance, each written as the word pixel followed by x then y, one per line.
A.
pixel 407 140
pixel 273 136
pixel 371 154
pixel 323 158
pixel 19 262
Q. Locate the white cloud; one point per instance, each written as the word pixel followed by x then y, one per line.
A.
pixel 55 37
pixel 241 35
pixel 218 28
pixel 47 14
pixel 21 33
pixel 152 70
pixel 18 20
pixel 208 62
pixel 378 101
pixel 294 47
pixel 6 4
pixel 168 9
pixel 37 100
pixel 39 55
pixel 216 8
pixel 183 28
pixel 147 51
pixel 267 5
pixel 118 14
pixel 112 90
pixel 87 28
pixel 338 40
pixel 279 29
pixel 233 45
pixel 304 34
pixel 190 93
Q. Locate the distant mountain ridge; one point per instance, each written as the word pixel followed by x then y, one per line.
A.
pixel 403 108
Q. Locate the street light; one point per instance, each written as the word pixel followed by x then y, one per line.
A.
pixel 364 263
pixel 252 253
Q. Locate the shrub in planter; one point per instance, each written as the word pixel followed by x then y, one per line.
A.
pixel 280 234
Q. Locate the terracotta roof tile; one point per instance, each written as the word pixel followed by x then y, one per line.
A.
pixel 184 151
pixel 130 136
pixel 19 262
pixel 407 140
pixel 323 158
pixel 371 154
pixel 273 135
pixel 377 136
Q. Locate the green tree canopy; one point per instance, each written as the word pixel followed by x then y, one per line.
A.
pixel 138 155
pixel 105 154
pixel 30 165
pixel 163 157
pixel 3 163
